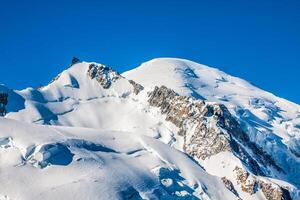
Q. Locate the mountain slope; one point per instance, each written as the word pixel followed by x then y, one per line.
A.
pixel 238 141
pixel 269 121
pixel 202 82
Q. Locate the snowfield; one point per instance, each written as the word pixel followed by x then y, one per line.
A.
pixel 92 134
pixel 270 121
pixel 50 162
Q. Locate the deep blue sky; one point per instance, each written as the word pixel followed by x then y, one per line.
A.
pixel 253 39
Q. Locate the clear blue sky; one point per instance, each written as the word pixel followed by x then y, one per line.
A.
pixel 253 39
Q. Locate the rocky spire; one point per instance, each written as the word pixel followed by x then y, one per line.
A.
pixel 3 103
pixel 74 61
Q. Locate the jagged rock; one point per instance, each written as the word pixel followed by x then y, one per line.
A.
pixel 74 61
pixel 191 116
pixel 3 103
pixel 2 111
pixel 208 128
pixel 250 184
pixel 103 74
pixel 274 192
pixel 228 184
pixel 136 87
pixel 242 154
pixel 3 98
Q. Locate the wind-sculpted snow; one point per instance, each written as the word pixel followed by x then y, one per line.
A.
pixel 200 134
pixel 43 162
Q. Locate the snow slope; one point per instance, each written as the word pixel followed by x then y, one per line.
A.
pixel 271 122
pixel 97 124
pixel 50 162
pixel 268 112
pixel 76 100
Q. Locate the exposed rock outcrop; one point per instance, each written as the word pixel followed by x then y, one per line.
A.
pixel 75 61
pixel 208 129
pixel 190 116
pixel 103 74
pixel 228 184
pixel 3 103
pixel 251 184
pixel 248 183
pixel 136 87
pixel 106 76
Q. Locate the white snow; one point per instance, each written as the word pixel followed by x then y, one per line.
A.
pixel 73 139
pixel 271 122
pixel 49 162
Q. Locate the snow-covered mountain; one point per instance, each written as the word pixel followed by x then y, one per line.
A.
pixel 169 129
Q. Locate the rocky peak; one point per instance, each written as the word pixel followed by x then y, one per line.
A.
pixel 3 103
pixel 75 61
pixel 106 76
pixel 103 74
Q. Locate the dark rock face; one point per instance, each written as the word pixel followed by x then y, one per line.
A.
pixel 251 184
pixel 248 183
pixel 228 184
pixel 274 193
pixel 74 61
pixel 103 74
pixel 3 103
pixel 136 87
pixel 191 117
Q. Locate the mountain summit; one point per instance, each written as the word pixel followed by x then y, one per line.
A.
pixel 169 129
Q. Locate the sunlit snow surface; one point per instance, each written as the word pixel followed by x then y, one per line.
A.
pixel 96 143
pixel 50 162
pixel 271 122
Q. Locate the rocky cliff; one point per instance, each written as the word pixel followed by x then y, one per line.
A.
pixel 208 129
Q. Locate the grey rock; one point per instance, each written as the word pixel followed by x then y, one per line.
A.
pixel 136 87
pixel 229 185
pixel 209 128
pixel 3 103
pixel 103 74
